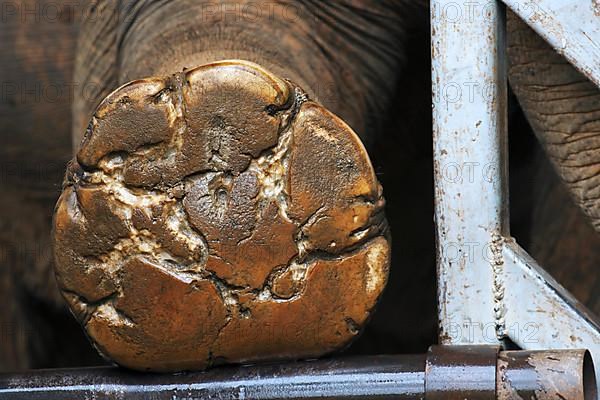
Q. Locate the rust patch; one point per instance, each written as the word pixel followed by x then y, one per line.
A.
pixel 549 374
pixel 596 7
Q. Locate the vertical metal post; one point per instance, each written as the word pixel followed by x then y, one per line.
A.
pixel 471 197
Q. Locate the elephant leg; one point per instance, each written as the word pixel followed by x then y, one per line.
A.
pixel 563 107
pixel 563 240
pixel 545 219
pixel 219 199
pixel 344 54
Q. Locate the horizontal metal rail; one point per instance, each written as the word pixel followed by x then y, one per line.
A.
pixel 385 377
pixel 445 372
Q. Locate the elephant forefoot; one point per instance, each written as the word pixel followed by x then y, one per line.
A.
pixel 218 215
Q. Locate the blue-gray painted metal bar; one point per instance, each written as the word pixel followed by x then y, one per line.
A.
pixel 540 313
pixel 490 288
pixel 469 135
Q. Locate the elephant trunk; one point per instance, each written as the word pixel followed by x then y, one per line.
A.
pixel 563 108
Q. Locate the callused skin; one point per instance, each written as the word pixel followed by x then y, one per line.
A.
pixel 218 215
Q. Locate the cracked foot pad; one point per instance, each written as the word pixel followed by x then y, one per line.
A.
pixel 219 216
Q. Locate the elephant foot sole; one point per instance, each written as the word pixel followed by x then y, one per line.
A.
pixel 219 216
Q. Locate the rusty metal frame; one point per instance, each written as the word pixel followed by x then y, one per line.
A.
pixel 444 372
pixel 489 289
